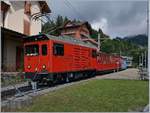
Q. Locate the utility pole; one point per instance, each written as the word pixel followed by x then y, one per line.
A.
pixel 145 60
pixel 139 60
pixel 142 60
pixel 148 34
pixel 99 45
pixel 120 52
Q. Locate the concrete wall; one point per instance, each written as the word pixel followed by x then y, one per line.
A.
pixel 1 18
pixel 10 53
pixel 14 20
pixel 36 26
pixel 15 17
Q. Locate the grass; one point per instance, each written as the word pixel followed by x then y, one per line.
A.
pixel 94 95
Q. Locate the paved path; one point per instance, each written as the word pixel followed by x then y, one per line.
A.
pixel 131 73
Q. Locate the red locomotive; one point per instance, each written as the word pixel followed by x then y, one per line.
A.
pixel 51 59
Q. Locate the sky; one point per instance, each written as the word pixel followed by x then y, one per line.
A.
pixel 117 18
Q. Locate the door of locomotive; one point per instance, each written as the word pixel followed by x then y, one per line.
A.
pixel 44 56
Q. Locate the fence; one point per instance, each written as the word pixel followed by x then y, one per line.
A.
pixel 11 78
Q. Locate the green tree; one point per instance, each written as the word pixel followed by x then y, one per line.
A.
pixel 52 27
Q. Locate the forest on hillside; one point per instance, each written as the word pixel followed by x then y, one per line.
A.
pixel 128 46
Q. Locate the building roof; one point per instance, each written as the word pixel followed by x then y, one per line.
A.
pixel 90 40
pixel 44 7
pixel 4 6
pixel 64 38
pixel 71 24
pixel 14 34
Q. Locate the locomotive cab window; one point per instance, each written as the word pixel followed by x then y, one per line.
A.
pixel 94 53
pixel 44 50
pixel 58 49
pixel 32 50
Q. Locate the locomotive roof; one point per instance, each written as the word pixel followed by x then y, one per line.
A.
pixel 59 38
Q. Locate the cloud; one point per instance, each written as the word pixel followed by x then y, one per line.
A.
pixel 116 17
pixel 101 23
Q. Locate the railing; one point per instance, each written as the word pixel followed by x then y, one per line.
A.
pixel 144 75
pixel 11 78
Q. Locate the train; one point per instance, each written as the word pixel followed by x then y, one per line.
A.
pixel 50 59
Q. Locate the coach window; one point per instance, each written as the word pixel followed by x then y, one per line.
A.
pixel 58 49
pixel 94 53
pixel 44 50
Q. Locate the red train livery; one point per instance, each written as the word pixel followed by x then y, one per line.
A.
pixel 107 62
pixel 51 59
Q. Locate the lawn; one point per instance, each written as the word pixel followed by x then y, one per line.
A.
pixel 94 95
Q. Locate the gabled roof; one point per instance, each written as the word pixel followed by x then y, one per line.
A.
pixel 90 40
pixel 14 34
pixel 71 24
pixel 44 7
pixel 4 6
pixel 64 38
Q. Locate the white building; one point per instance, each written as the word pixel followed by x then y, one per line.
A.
pixel 18 19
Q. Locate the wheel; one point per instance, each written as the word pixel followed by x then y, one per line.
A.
pixel 67 79
pixel 29 83
pixel 50 83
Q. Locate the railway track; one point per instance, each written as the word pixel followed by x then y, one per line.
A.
pixel 12 92
pixel 12 100
pixel 20 91
pixel 23 89
pixel 17 91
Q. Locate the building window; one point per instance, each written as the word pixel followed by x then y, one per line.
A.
pixel 44 50
pixel 58 49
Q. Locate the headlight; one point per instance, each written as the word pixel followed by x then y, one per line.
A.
pixel 44 66
pixel 36 69
pixel 28 66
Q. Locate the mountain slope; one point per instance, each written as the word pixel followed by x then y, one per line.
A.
pixel 140 39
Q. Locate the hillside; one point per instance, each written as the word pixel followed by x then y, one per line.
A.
pixel 123 47
pixel 140 39
pixel 127 46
